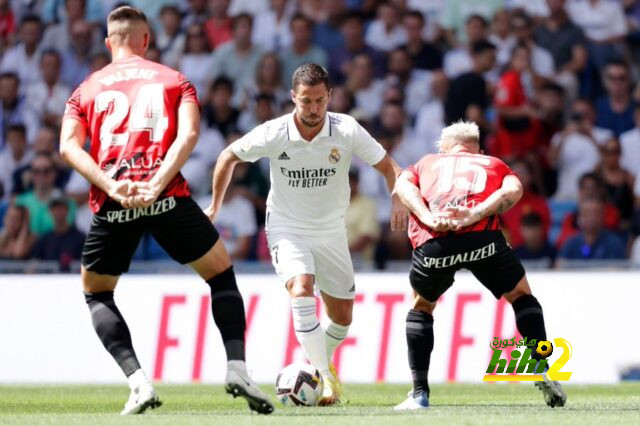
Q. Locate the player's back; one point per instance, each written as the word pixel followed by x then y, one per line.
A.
pixel 459 179
pixel 130 109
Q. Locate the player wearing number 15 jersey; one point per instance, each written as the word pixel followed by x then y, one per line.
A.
pixel 143 119
pixel 455 198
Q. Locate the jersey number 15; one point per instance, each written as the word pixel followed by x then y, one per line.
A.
pixel 456 171
pixel 147 114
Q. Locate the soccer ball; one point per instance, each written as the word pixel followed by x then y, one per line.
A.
pixel 299 384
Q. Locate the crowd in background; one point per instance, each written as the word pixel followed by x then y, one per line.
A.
pixel 552 84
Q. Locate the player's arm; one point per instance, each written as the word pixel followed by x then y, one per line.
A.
pixel 72 138
pixel 499 202
pixel 221 177
pixel 177 154
pixel 390 170
pixel 410 196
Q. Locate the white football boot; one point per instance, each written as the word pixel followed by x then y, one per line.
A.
pixel 238 383
pixel 142 395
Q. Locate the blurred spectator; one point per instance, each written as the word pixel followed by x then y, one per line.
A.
pixel 76 58
pixel 541 67
pixel 218 112
pixel 15 156
pixel 415 83
pixel 13 107
pixel 46 98
pixel 468 96
pixel 590 186
pixel 100 60
pixel 236 223
pixel 576 150
pixel 23 59
pixel 251 7
pixel 170 39
pixel 197 13
pixel 592 241
pixel 238 58
pixel 550 105
pixel 615 111
pixel 630 151
pixel 431 119
pixel 515 133
pixel 361 221
pixel 300 51
pixel 531 202
pixel 77 189
pixel 386 32
pixel 406 149
pixel 605 26
pixel 269 80
pixel 63 243
pixel 352 29
pixel 534 8
pixel 16 239
pixel 261 110
pixel 152 9
pixel 431 11
pixel 196 62
pixel 327 15
pixel 366 89
pixel 55 11
pixel 502 37
pixel 59 36
pixel 456 13
pixel 273 27
pixel 459 59
pixel 7 24
pixel 635 252
pixel 423 55
pixel 534 244
pixel 618 181
pixel 218 27
pixel 566 43
pixel 37 200
pixel 342 101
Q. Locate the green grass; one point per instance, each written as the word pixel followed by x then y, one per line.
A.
pixel 369 405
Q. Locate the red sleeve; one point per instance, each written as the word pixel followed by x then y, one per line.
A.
pixel 74 109
pixel 414 175
pixel 187 91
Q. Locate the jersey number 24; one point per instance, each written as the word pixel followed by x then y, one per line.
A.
pixel 147 114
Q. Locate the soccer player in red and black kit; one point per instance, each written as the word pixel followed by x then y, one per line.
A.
pixel 143 120
pixel 455 198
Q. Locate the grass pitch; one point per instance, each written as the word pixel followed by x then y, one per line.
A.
pixel 452 404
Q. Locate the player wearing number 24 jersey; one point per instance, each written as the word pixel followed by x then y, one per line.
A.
pixel 143 121
pixel 455 198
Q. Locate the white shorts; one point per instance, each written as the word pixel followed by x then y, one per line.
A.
pixel 326 257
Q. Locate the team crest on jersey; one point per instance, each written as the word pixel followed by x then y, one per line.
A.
pixel 334 155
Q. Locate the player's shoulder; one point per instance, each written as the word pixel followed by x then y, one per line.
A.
pixel 343 124
pixel 275 128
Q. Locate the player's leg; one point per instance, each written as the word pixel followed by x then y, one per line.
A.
pixel 190 238
pixel 106 255
pixel 336 322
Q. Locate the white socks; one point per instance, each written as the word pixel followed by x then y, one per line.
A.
pixel 309 333
pixel 137 378
pixel 334 335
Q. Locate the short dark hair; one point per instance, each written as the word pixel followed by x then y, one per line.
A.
pixel 170 8
pixel 239 17
pixel 482 46
pixel 126 13
pixel 310 75
pixel 34 19
pixel 477 17
pixel 414 14
pixel 11 75
pixel 531 219
pixel 617 63
pixel 553 87
pixel 301 17
pixel 222 82
pixel 19 128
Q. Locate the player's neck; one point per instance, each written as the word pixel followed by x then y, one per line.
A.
pixel 308 133
pixel 124 53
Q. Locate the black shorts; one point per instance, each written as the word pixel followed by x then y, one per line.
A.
pixel 176 223
pixel 486 254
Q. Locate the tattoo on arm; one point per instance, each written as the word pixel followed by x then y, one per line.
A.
pixel 504 206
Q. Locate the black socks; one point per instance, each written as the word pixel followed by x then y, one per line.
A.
pixel 529 319
pixel 419 330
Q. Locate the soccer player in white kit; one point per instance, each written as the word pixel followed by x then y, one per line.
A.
pixel 310 153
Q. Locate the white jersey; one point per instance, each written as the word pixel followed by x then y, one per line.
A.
pixel 309 180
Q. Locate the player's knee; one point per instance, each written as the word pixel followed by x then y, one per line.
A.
pixel 521 289
pixel 423 305
pixel 97 283
pixel 341 317
pixel 298 287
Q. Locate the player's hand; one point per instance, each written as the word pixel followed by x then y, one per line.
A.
pixel 462 216
pixel 210 212
pixel 437 224
pixel 119 190
pixel 141 194
pixel 399 214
